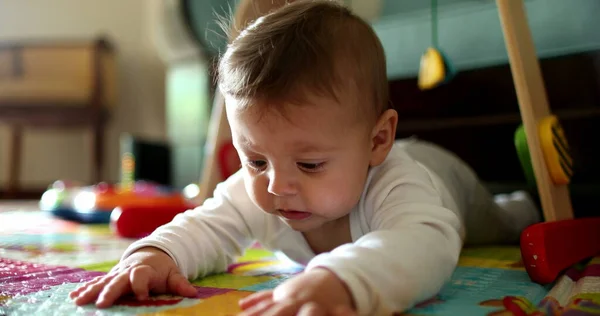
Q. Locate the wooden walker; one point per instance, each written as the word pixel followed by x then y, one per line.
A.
pixel 547 248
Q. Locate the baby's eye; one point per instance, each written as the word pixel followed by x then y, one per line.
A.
pixel 310 167
pixel 256 164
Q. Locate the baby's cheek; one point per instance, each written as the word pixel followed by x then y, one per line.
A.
pixel 257 189
pixel 334 199
pixel 350 189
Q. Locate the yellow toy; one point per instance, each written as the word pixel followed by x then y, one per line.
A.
pixel 435 67
pixel 556 150
pixel 432 71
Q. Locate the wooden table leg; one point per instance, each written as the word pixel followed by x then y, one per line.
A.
pixel 16 147
pixel 97 149
pixel 533 103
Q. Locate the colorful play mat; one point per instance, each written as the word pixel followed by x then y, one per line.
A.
pixel 42 258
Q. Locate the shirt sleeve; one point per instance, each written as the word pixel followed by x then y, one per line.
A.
pixel 207 239
pixel 410 251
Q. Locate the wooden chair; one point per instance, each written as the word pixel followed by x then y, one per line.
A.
pixel 51 84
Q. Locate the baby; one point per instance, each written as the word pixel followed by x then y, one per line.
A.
pixel 379 223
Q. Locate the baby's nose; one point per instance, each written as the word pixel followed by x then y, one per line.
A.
pixel 281 185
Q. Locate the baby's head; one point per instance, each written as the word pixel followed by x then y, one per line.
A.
pixel 307 100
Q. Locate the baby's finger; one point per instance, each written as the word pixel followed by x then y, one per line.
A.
pixel 116 288
pixel 118 269
pixel 90 292
pixel 255 298
pixel 73 294
pixel 311 309
pixel 179 285
pixel 140 280
pixel 99 278
pixel 284 308
pixel 86 285
pixel 258 308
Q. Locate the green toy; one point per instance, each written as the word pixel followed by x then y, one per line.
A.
pixel 524 155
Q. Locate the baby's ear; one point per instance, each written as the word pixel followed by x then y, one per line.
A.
pixel 383 136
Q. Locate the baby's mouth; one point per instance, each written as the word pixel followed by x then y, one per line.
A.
pixel 294 215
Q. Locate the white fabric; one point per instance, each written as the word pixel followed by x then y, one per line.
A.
pixel 407 230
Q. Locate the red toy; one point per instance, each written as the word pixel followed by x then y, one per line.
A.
pixel 549 248
pixel 229 161
pixel 135 221
pixel 141 193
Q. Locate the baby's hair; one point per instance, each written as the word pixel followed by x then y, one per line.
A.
pixel 307 47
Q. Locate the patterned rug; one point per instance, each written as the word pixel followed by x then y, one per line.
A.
pixel 42 258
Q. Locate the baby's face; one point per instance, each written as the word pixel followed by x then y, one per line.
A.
pixel 309 167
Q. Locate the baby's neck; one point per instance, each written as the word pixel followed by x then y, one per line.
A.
pixel 330 236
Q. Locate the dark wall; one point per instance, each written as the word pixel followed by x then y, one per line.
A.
pixel 476 115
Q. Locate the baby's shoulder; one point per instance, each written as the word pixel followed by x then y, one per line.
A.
pixel 398 167
pixel 399 186
pixel 399 177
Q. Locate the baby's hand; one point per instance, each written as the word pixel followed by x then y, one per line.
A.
pixel 148 269
pixel 318 292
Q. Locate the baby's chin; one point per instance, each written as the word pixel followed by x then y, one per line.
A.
pixel 311 224
pixel 304 225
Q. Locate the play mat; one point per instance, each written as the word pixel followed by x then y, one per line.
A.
pixel 43 258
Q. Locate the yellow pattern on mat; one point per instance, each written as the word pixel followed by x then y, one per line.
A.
pixel 492 257
pixel 254 254
pixel 219 305
pixel 489 263
pixel 252 266
pixel 228 281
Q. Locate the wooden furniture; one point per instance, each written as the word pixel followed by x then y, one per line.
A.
pixel 54 84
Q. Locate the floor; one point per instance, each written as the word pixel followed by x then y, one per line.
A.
pixel 24 205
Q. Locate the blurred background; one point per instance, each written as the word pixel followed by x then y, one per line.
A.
pixel 152 85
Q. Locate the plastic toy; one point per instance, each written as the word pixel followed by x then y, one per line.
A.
pixel 549 248
pixel 554 147
pixel 108 197
pixel 59 200
pixel 524 156
pixel 134 221
pixel 432 70
pixel 94 204
pixel 556 150
pixel 435 67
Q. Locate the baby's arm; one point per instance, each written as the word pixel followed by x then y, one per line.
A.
pixel 206 240
pixel 411 251
pixel 194 244
pixel 148 269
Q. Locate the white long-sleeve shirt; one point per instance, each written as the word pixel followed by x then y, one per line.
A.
pixel 407 233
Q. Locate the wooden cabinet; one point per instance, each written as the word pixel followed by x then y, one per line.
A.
pixel 56 84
